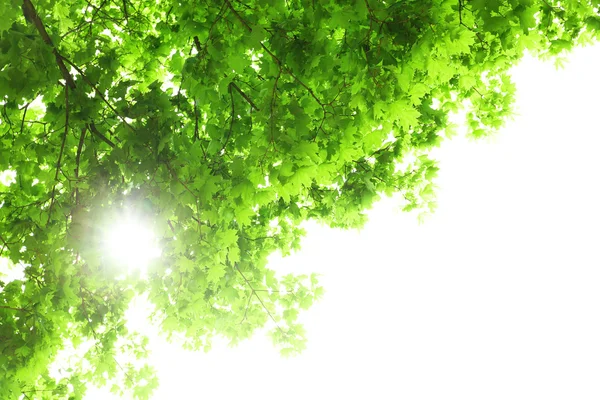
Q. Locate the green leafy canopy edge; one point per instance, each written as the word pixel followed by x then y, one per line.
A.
pixel 227 124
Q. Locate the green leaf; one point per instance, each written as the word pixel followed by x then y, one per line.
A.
pixel 215 273
pixel 329 99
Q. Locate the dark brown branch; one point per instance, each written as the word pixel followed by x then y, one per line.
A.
pixel 32 16
pixel 196 131
pixel 238 16
pixel 197 44
pixel 232 85
pixel 77 160
pixel 4 245
pixel 98 92
pixel 236 87
pixel 274 57
pixel 60 154
pixel 125 13
pixel 7 117
pixel 14 308
pixel 79 148
pixel 232 119
pixel 273 97
pixel 96 132
pixel 91 21
pixel 180 181
pixel 24 114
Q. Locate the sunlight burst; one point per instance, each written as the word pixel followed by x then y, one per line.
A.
pixel 131 242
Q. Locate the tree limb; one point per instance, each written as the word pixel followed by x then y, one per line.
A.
pixel 4 245
pixel 125 13
pixel 32 16
pixel 275 58
pixel 96 132
pixel 236 87
pixel 238 15
pixel 14 308
pixel 197 44
pixel 98 92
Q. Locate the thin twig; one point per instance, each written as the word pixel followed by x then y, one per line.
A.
pixel 77 160
pixel 246 309
pixel 259 299
pixel 196 130
pixel 60 154
pixel 24 114
pixel 179 180
pixel 232 119
pixel 4 245
pixel 79 148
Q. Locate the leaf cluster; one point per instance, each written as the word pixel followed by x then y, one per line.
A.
pixel 227 123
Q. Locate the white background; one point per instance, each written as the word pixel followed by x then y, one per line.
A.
pixel 496 296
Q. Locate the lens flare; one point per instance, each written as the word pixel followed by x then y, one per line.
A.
pixel 131 242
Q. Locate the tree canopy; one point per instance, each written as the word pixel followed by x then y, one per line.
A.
pixel 225 124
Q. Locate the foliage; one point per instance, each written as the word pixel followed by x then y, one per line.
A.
pixel 227 124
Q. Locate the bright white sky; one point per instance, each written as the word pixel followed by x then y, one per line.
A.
pixel 496 296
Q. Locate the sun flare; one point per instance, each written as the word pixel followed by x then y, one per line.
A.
pixel 131 242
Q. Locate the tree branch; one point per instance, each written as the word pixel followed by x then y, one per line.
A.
pixel 4 245
pixel 24 114
pixel 60 154
pixel 32 16
pixel 77 160
pixel 238 15
pixel 125 13
pixel 98 92
pixel 96 132
pixel 236 87
pixel 259 299
pixel 275 58
pixel 232 119
pixel 197 44
pixel 79 148
pixel 14 308
pixel 196 130
pixel 179 180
